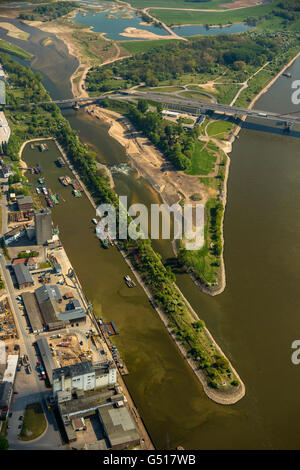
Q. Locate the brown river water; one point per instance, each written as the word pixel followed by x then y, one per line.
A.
pixel 257 317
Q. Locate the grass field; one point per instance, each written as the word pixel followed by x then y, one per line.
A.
pixel 134 47
pixel 34 422
pixel 219 129
pixel 177 17
pixel 203 160
pixel 177 4
pixel 15 50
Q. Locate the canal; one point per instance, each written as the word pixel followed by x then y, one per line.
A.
pixel 255 320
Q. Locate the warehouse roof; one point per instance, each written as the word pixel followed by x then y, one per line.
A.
pixel 119 425
pixel 49 310
pixel 72 315
pixel 5 393
pixel 22 274
pixel 46 357
pixel 33 311
pixel 47 292
pixel 11 368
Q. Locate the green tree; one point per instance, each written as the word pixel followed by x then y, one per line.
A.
pixel 4 443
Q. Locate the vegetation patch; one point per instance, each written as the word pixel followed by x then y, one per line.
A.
pixel 203 160
pixel 14 50
pixel 135 47
pixel 219 129
pixel 50 11
pixel 34 422
pixel 205 263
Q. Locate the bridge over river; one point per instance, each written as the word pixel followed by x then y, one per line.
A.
pixel 180 103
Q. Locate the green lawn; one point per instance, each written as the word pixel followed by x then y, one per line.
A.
pixel 177 4
pixel 203 161
pixel 34 422
pixel 134 47
pixel 177 17
pixel 219 129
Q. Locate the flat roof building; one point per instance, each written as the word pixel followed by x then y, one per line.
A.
pixel 11 368
pixel 119 427
pixel 4 128
pixel 47 358
pixel 33 312
pixel 23 276
pixel 5 398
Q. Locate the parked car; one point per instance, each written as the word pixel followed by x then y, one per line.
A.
pixel 16 393
pixel 20 418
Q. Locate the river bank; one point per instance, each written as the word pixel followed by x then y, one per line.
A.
pixel 215 395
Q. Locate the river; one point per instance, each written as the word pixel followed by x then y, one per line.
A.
pixel 255 320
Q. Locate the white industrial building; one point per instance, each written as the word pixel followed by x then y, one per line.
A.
pixel 83 376
pixel 11 368
pixel 4 129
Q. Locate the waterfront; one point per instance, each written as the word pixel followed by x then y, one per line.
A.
pixel 262 278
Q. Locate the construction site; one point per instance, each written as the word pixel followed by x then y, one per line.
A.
pixel 68 349
pixel 8 331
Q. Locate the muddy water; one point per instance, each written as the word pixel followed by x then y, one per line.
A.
pixel 255 320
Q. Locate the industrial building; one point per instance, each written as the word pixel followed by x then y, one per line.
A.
pixel 5 398
pixel 6 169
pixel 45 311
pixel 48 292
pixel 119 427
pixel 4 128
pixel 6 386
pixel 46 357
pixel 25 203
pixel 23 276
pixel 33 312
pixel 14 235
pixel 43 226
pixel 84 376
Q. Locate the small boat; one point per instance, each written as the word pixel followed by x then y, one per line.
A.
pixel 54 199
pixel 94 221
pixel 129 281
pixel 104 243
pixel 76 193
pixel 41 180
pixel 37 190
pixel 44 189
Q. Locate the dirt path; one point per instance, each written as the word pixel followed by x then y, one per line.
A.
pixel 245 84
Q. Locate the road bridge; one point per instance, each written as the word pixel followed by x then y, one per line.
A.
pixel 197 106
